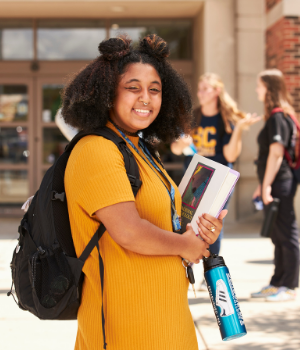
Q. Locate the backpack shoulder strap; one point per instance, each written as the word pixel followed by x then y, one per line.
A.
pixel 132 171
pixel 131 166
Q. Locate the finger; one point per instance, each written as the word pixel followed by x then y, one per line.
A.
pixel 223 213
pixel 207 224
pixel 207 234
pixel 189 227
pixel 206 254
pixel 197 261
pixel 205 238
pixel 214 221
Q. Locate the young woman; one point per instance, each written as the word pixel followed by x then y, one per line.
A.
pixel 145 291
pixel 277 180
pixel 218 126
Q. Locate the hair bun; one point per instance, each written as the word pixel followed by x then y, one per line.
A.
pixel 154 45
pixel 115 48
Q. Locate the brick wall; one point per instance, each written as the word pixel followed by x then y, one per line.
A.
pixel 270 4
pixel 283 52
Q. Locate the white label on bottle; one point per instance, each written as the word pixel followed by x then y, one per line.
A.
pixel 223 299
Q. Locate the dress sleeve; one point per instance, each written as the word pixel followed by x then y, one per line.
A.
pixel 278 130
pixel 99 176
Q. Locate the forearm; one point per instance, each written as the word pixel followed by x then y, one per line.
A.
pixel 149 239
pixel 233 149
pixel 273 164
pixel 130 231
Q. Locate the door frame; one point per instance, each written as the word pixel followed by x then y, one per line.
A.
pixel 29 124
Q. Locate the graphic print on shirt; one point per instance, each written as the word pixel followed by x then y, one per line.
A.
pixel 204 141
pixel 223 299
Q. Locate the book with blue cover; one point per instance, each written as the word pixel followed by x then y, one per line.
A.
pixel 205 188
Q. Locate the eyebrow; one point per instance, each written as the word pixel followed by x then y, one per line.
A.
pixel 132 80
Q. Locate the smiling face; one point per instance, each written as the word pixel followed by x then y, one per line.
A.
pixel 138 85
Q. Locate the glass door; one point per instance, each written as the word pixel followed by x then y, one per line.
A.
pixel 16 141
pixel 51 141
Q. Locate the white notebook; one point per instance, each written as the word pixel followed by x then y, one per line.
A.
pixel 205 188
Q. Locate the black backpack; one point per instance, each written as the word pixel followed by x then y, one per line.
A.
pixel 46 273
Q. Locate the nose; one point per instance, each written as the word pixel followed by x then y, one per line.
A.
pixel 145 96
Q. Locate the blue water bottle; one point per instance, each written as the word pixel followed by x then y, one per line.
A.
pixel 223 298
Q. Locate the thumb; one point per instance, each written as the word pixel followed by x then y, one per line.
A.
pixel 189 227
pixel 223 214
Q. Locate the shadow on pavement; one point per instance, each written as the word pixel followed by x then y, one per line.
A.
pixel 270 323
pixel 194 301
pixel 260 262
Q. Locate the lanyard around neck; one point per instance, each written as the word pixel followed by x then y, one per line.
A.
pixel 147 157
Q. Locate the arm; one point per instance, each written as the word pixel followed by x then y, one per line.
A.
pixel 276 152
pixel 179 145
pixel 140 236
pixel 233 149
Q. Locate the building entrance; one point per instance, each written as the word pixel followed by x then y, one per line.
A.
pixel 30 141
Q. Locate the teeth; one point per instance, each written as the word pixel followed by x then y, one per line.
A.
pixel 142 110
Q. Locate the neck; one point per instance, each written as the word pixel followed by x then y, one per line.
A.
pixel 210 109
pixel 128 133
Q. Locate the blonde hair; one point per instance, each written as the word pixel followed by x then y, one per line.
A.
pixel 226 105
pixel 277 94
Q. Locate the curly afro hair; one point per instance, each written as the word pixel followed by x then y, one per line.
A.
pixel 88 97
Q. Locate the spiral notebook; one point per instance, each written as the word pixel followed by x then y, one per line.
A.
pixel 205 188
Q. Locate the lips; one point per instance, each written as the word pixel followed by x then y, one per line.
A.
pixel 142 112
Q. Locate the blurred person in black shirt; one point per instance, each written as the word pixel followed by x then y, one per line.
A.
pixel 276 179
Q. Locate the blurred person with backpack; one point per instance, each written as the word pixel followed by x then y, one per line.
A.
pixel 276 179
pixel 217 130
pixel 140 97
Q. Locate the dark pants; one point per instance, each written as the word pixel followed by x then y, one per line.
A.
pixel 285 236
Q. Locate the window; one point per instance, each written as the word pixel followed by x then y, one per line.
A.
pixel 79 39
pixel 69 40
pixel 177 33
pixel 16 40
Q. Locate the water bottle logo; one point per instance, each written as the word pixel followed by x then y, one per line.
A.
pixel 223 299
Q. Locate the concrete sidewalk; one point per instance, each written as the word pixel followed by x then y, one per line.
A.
pixel 270 326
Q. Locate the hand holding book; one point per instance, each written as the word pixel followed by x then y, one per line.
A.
pixel 196 249
pixel 205 188
pixel 210 227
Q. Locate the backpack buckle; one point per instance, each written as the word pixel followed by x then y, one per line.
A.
pixel 55 196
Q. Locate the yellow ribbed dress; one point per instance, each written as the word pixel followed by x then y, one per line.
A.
pixel 145 297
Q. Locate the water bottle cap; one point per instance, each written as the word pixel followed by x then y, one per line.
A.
pixel 213 261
